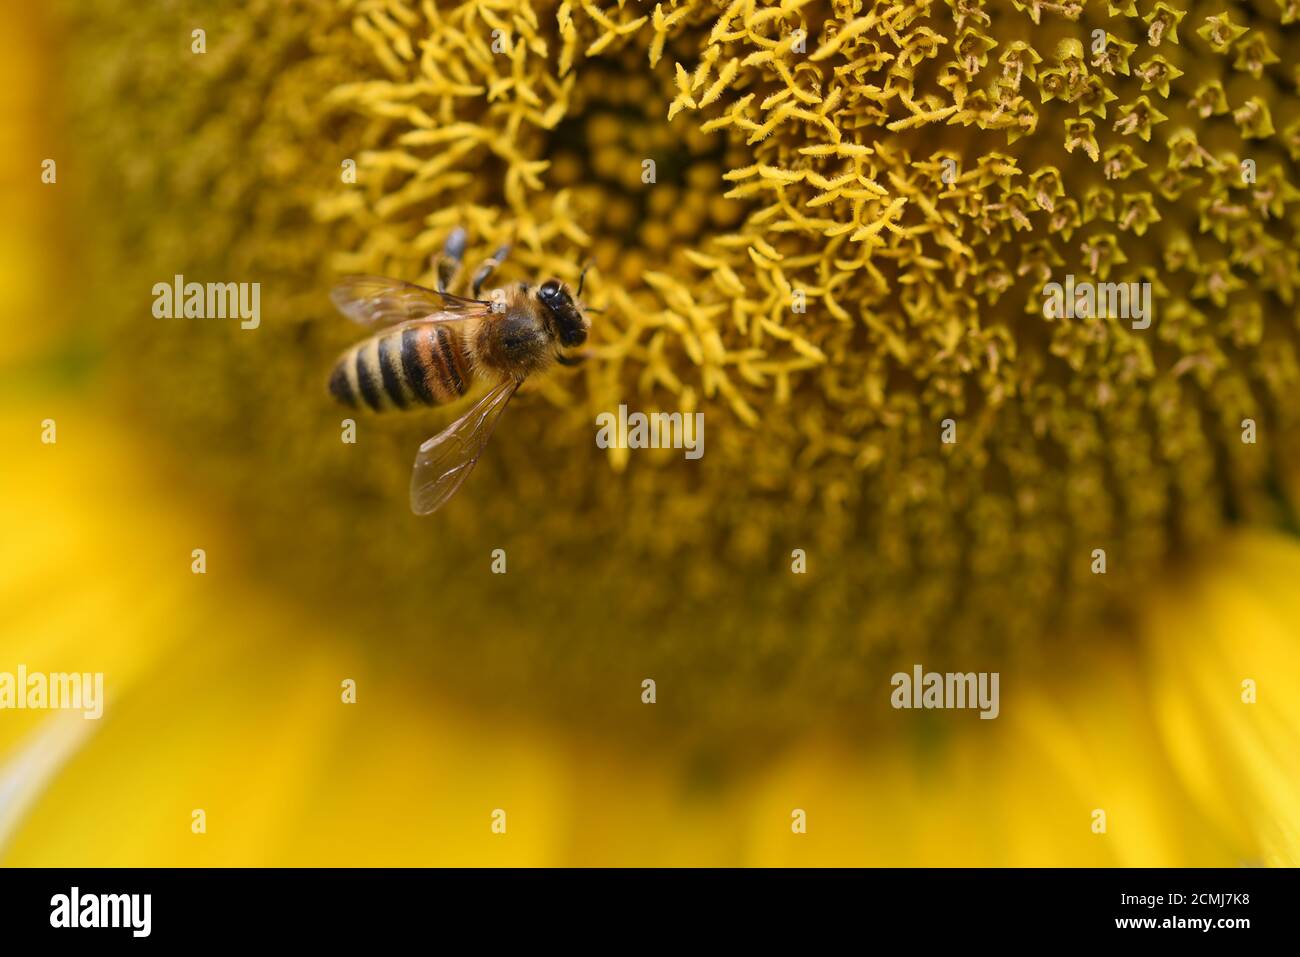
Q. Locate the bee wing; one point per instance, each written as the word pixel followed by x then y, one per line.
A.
pixel 445 461
pixel 378 301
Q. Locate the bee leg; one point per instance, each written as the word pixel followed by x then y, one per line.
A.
pixel 485 270
pixel 452 252
pixel 577 359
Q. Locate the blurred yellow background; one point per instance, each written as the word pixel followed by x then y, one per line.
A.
pixel 224 689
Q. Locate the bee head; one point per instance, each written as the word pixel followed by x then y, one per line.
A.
pixel 570 324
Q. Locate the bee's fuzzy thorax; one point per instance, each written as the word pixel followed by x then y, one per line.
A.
pixel 515 339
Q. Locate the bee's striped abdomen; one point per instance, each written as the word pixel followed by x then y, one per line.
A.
pixel 418 364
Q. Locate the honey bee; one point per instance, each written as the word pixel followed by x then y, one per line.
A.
pixel 436 346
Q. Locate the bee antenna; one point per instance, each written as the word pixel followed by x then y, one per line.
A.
pixel 581 277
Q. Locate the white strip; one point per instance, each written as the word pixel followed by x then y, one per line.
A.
pixel 30 769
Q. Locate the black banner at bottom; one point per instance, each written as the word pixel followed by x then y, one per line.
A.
pixel 90 906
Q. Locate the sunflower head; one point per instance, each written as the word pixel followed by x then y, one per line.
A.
pixel 828 226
